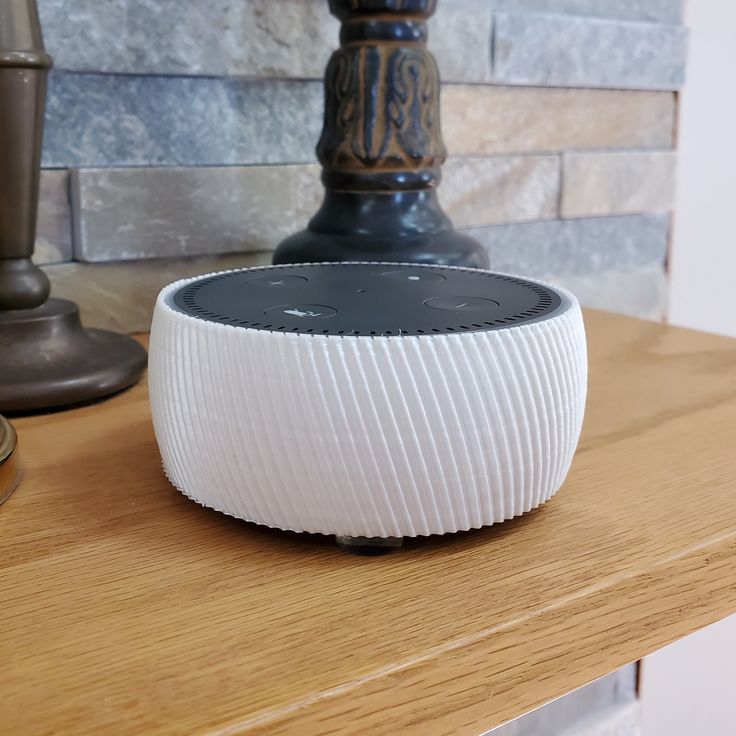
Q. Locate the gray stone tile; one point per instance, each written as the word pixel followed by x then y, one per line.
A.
pixel 121 296
pixel 576 247
pixel 256 38
pixel 110 120
pixel 54 224
pixel 460 39
pixel 613 263
pixel 559 50
pixel 486 120
pixel 289 38
pixel 127 214
pixel 636 292
pixel 594 703
pixel 486 191
pixel 616 183
pixel 651 11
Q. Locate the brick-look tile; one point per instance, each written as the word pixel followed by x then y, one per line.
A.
pixel 611 263
pixel 125 214
pixel 567 51
pixel 121 296
pixel 480 120
pixel 491 190
pixel 648 11
pixel 111 120
pixel 615 183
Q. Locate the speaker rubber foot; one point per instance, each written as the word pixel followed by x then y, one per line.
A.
pixel 369 546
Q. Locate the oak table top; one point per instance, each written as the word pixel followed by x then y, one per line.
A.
pixel 126 608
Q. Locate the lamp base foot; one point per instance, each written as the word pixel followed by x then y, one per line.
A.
pixel 50 361
pixel 448 248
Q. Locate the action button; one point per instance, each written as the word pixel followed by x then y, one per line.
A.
pixel 412 275
pixel 302 311
pixel 274 281
pixel 462 303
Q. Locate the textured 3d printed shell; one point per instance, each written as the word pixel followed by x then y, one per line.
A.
pixel 376 436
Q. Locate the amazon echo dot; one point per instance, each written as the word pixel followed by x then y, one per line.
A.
pixel 370 401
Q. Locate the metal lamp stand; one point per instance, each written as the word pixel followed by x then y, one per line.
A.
pixel 47 359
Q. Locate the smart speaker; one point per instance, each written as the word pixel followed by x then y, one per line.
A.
pixel 371 401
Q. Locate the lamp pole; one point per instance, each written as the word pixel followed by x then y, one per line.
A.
pixel 381 147
pixel 47 359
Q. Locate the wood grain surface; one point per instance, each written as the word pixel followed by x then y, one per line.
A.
pixel 126 608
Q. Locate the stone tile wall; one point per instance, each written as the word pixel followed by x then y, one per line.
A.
pixel 551 49
pixel 292 38
pixel 180 138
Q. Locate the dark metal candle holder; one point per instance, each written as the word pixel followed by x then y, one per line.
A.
pixel 47 359
pixel 381 147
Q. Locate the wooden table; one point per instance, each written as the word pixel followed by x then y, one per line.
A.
pixel 126 608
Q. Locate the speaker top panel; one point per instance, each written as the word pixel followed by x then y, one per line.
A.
pixel 366 299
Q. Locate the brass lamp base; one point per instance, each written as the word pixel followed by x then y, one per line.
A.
pixel 9 468
pixel 51 361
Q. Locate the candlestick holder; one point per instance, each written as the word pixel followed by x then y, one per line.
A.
pixel 381 147
pixel 47 359
pixel 9 468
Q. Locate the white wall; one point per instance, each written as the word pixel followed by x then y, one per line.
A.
pixel 703 257
pixel 689 687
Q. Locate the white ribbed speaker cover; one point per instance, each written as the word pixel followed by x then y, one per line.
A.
pixel 376 436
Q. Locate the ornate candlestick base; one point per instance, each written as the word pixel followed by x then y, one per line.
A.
pixel 381 147
pixel 50 360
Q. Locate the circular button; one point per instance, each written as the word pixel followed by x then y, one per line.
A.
pixel 304 312
pixel 274 281
pixel 412 274
pixel 462 303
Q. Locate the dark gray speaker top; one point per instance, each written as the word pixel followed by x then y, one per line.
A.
pixel 366 299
